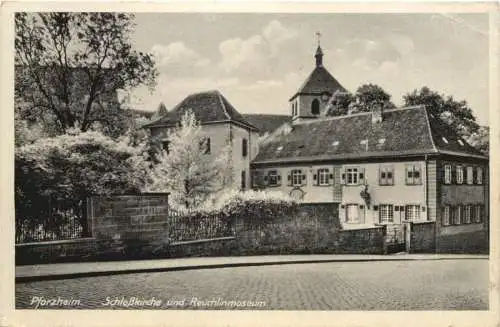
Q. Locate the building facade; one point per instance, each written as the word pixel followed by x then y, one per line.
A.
pixel 222 125
pixel 384 167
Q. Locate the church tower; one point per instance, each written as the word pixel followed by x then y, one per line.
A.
pixel 311 100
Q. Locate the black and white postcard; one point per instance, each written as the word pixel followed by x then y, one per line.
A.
pixel 214 163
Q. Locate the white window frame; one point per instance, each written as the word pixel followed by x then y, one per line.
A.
pixel 296 176
pixel 412 212
pixel 479 175
pixel 386 170
pixel 478 219
pixel 460 174
pixel 355 208
pixel 386 210
pixel 470 175
pixel 272 177
pixel 446 215
pixel 352 172
pixel 467 214
pixel 447 174
pixel 323 176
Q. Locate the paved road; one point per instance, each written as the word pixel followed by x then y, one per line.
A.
pixel 399 285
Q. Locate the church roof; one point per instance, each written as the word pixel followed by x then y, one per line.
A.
pixel 404 131
pixel 208 107
pixel 320 80
pixel 267 123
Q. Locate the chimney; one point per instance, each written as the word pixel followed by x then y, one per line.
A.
pixel 377 112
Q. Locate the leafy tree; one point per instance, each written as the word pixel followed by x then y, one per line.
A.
pixel 455 113
pixel 69 67
pixel 68 168
pixel 368 95
pixel 339 104
pixel 365 98
pixel 185 170
pixel 480 139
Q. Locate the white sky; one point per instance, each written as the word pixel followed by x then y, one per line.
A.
pixel 258 61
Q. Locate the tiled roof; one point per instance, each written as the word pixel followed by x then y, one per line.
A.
pixel 267 123
pixel 210 106
pixel 403 131
pixel 446 140
pixel 320 80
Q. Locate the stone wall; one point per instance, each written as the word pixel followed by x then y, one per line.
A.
pixel 473 242
pixel 55 251
pixel 127 221
pixel 361 241
pixel 423 237
pixel 314 228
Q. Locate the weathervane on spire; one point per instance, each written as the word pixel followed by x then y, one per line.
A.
pixel 318 37
pixel 319 52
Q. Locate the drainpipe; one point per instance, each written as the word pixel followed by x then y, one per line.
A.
pixel 426 191
pixel 427 200
pixel 248 176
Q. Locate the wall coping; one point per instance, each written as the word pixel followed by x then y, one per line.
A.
pixel 76 240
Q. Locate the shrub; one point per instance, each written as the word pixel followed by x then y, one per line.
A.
pixel 65 170
pixel 253 206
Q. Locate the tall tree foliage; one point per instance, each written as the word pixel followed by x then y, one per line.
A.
pixel 66 169
pixel 369 95
pixel 456 114
pixel 186 170
pixel 363 100
pixel 70 65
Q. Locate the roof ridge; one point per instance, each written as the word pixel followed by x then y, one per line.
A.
pixel 219 95
pixel 328 118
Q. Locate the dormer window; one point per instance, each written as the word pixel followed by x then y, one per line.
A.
pixel 315 107
pixel 365 144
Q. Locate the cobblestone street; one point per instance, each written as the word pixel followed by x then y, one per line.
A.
pixel 394 285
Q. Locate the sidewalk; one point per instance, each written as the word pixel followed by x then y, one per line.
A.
pixel 87 269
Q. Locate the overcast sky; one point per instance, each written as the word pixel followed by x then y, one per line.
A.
pixel 258 61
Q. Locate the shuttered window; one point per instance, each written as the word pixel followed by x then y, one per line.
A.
pixel 479 175
pixel 297 178
pixel 386 175
pixel 353 176
pixel 447 174
pixel 413 174
pixel 460 174
pixel 446 215
pixel 470 175
pixel 467 214
pixel 273 178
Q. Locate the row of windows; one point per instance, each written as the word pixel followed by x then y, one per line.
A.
pixel 350 176
pixel 206 147
pixel 459 174
pixel 463 214
pixel 412 212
